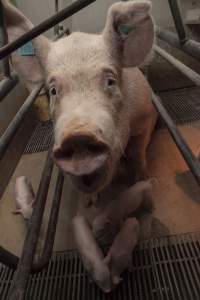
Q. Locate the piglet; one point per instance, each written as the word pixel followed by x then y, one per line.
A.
pixel 24 197
pixel 119 256
pixel 108 223
pixel 91 254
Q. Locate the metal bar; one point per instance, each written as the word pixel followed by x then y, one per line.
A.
pixel 20 280
pixel 44 26
pixel 14 125
pixel 7 84
pixel 176 13
pixel 190 47
pixel 187 154
pixel 50 236
pixel 188 72
pixel 4 41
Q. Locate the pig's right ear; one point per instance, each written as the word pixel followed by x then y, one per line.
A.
pixel 29 65
pixel 129 32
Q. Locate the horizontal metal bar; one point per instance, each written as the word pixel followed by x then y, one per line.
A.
pixel 190 47
pixel 188 72
pixel 19 117
pixel 4 41
pixel 186 152
pixel 44 26
pixel 178 21
pixel 7 84
pixel 20 280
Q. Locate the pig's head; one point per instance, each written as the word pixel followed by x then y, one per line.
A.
pixel 83 73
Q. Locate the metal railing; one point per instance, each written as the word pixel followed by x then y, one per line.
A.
pixel 26 263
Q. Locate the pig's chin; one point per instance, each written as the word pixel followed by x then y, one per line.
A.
pixel 90 183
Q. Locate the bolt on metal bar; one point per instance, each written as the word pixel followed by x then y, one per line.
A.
pixel 188 72
pixel 7 84
pixel 178 21
pixel 20 280
pixel 3 41
pixel 186 152
pixel 14 125
pixel 190 47
pixel 44 26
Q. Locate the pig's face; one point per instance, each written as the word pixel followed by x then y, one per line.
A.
pixel 83 76
pixel 86 100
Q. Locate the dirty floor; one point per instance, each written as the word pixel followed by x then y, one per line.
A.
pixel 177 197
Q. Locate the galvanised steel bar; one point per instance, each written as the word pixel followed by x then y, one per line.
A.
pixel 51 231
pixel 188 72
pixel 20 280
pixel 178 21
pixel 44 26
pixel 4 41
pixel 190 47
pixel 190 159
pixel 7 84
pixel 14 125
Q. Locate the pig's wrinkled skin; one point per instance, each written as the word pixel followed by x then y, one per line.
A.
pixel 119 256
pixel 24 197
pixel 91 254
pixel 99 99
pixel 136 198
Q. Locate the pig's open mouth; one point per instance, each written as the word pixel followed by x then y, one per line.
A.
pixel 85 160
pixel 91 182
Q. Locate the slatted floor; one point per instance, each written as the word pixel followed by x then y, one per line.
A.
pixel 165 268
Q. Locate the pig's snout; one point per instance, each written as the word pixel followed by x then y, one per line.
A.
pixel 84 157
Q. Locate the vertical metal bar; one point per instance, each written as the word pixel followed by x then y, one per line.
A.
pixel 56 28
pixel 176 13
pixel 4 41
pixel 20 280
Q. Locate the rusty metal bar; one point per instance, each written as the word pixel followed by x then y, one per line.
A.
pixel 190 159
pixel 20 280
pixel 44 26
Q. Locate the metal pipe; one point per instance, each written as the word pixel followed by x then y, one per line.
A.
pixel 4 41
pixel 176 13
pixel 20 280
pixel 7 84
pixel 188 72
pixel 187 154
pixel 190 47
pixel 14 125
pixel 44 26
pixel 53 219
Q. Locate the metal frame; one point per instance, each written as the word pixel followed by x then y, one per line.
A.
pixel 26 264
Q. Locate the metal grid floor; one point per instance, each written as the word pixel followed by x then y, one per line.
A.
pixel 183 105
pixel 165 268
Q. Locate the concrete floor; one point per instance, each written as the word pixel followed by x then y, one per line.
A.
pixel 177 198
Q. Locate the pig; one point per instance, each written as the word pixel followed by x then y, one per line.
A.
pixel 119 256
pixel 136 198
pixel 91 254
pixel 24 197
pixel 99 99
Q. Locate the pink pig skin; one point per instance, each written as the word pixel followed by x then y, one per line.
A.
pixel 119 256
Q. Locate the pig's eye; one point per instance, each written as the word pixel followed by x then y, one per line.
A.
pixel 111 82
pixel 53 91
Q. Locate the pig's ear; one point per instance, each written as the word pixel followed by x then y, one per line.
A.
pixel 129 31
pixel 29 60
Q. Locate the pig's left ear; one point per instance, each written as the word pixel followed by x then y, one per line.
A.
pixel 129 31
